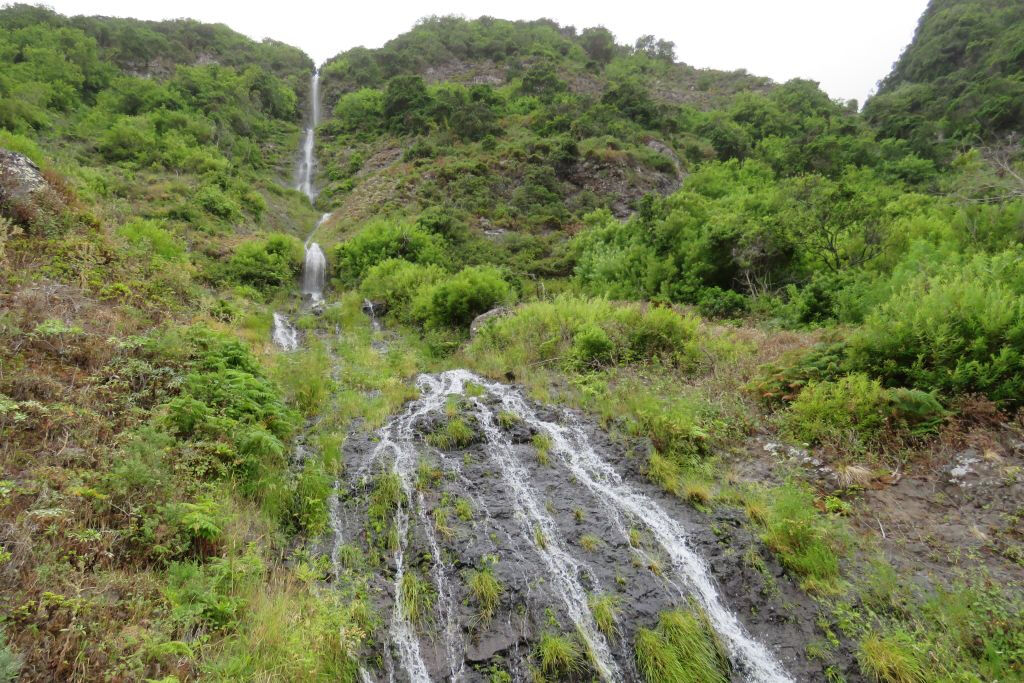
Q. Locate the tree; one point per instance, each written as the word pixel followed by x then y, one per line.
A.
pixel 664 50
pixel 599 44
pixel 407 105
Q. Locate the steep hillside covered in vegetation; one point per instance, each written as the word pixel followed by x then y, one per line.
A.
pixel 623 370
pixel 959 80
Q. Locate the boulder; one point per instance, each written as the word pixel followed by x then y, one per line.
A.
pixel 19 176
pixel 483 318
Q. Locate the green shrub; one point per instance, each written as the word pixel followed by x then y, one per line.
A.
pixel 573 331
pixel 397 282
pixel 959 332
pixel 591 347
pixel 854 408
pixel 151 237
pixel 381 240
pixel 210 594
pixel 455 301
pixel 267 264
pixel 716 302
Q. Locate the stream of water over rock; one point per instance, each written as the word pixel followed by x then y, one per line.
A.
pixel 529 517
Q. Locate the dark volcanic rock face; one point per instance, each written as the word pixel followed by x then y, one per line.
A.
pixel 562 516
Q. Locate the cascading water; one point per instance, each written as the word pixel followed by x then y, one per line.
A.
pixel 314 267
pixel 307 165
pixel 313 273
pixel 284 333
pixel 526 524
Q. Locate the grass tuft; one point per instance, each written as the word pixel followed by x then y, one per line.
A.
pixel 417 597
pixel 683 648
pixel 542 443
pixel 890 658
pixel 605 609
pixel 455 433
pixel 590 542
pixel 486 590
pixel 559 655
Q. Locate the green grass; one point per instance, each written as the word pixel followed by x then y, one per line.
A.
pixel 486 590
pixel 441 523
pixel 454 434
pixel 683 648
pixel 590 542
pixel 542 443
pixel 464 510
pixel 428 474
pixel 891 658
pixel 560 655
pixel 807 542
pixel 605 609
pixel 539 538
pixel 507 419
pixel 417 597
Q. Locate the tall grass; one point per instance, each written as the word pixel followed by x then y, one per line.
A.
pixel 683 648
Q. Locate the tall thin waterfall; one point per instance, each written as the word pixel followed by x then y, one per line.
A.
pixel 307 166
pixel 314 268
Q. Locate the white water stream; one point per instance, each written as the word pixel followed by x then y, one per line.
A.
pixel 689 574
pixel 314 265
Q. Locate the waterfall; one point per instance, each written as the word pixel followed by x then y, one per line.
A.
pixel 692 574
pixel 314 272
pixel 306 167
pixel 284 333
pixel 533 527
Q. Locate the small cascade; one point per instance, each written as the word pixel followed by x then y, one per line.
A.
pixel 307 167
pixel 314 271
pixel 692 576
pixel 518 521
pixel 284 333
pixel 371 309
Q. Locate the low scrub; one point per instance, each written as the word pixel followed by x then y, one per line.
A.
pixel 959 332
pixel 586 334
pixel 856 412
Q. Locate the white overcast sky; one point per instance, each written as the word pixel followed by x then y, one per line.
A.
pixel 845 45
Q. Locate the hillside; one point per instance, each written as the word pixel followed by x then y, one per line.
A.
pixel 960 79
pixel 566 361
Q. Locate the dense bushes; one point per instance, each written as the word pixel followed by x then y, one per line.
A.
pixel 455 301
pixel 854 412
pixel 266 264
pixel 381 240
pixel 961 331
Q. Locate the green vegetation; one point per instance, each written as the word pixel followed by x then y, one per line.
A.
pixel 695 258
pixel 605 610
pixel 807 543
pixel 417 597
pixel 683 647
pixel 959 79
pixel 485 589
pixel 560 655
pixel 455 433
